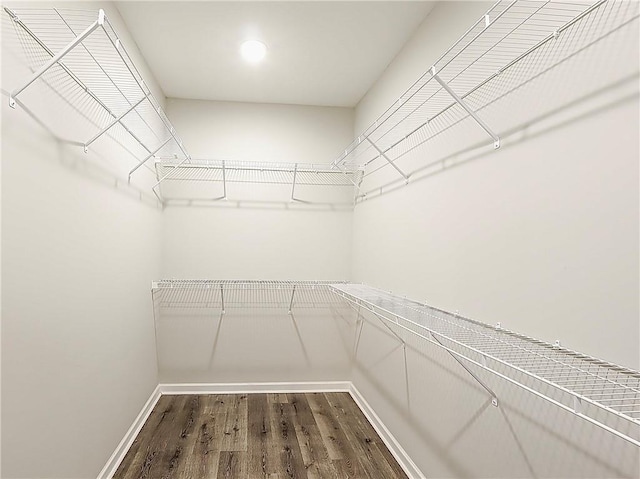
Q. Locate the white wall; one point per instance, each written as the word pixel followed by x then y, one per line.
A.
pixel 78 255
pixel 261 132
pixel 541 235
pixel 257 234
pixel 256 339
pixel 255 239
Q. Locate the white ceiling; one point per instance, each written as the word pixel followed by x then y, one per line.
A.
pixel 319 53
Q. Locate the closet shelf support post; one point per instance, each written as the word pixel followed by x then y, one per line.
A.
pixel 461 102
pixel 43 69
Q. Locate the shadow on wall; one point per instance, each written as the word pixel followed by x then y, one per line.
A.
pixel 90 166
pixel 252 341
pixel 519 134
pixel 446 422
pixel 256 204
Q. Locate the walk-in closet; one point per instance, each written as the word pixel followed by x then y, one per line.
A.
pixel 320 239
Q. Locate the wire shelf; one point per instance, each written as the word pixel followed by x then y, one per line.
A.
pixel 78 58
pixel 201 179
pixel 512 44
pixel 305 174
pixel 602 393
pixel 170 296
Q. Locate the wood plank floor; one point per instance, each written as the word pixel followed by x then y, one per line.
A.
pixel 270 436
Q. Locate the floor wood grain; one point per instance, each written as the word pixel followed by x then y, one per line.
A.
pixel 258 436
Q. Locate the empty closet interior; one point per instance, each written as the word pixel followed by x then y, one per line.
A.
pixel 420 217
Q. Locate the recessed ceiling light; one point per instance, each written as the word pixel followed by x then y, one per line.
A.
pixel 253 51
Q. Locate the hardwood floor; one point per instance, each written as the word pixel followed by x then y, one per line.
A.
pixel 270 436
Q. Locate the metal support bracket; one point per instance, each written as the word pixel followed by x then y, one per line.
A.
pixel 349 178
pixel 56 58
pixel 187 158
pixel 397 336
pixel 460 101
pixel 114 121
pixel 143 161
pixel 383 155
pixel 382 321
pixel 224 181
pixel 293 189
pixel 494 398
pixel 292 295
pixel 222 297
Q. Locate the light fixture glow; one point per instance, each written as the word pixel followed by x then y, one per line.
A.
pixel 253 51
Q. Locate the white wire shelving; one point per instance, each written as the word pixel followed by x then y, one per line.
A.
pixel 604 394
pixel 514 43
pixel 222 172
pixel 78 58
pixel 170 296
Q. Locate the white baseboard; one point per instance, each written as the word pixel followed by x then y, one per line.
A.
pixel 116 458
pixel 239 388
pixel 389 440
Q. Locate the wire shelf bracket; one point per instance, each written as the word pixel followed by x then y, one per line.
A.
pixel 148 157
pixel 388 160
pixel 293 189
pixel 494 398
pixel 463 104
pixel 293 293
